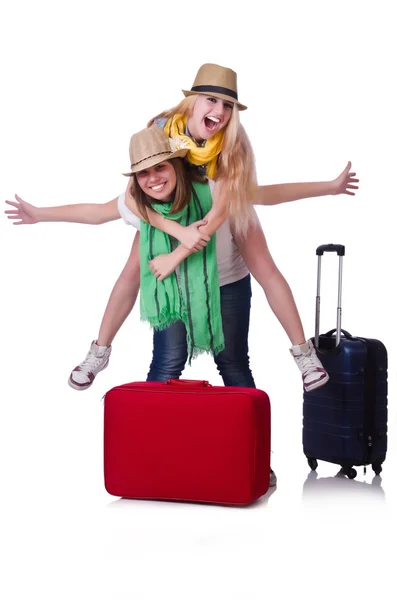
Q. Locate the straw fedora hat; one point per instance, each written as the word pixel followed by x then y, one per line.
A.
pixel 152 146
pixel 214 80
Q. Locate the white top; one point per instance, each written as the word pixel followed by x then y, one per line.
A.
pixel 231 266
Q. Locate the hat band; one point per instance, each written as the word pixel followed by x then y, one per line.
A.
pixel 151 156
pixel 215 88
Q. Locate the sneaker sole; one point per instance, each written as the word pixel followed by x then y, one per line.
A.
pixel 317 384
pixel 83 387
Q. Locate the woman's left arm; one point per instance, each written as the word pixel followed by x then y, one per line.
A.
pixel 219 211
pixel 288 192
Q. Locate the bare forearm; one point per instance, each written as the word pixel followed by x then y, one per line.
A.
pixel 288 192
pixel 218 213
pixel 179 254
pixel 167 225
pixel 215 220
pixel 153 218
pixel 92 214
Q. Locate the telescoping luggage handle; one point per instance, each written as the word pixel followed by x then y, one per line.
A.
pixel 340 250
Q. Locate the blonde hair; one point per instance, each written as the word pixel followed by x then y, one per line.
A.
pixel 185 107
pixel 236 166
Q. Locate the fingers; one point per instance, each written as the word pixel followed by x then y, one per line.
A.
pixel 200 223
pixel 156 272
pixel 16 216
pixel 11 203
pixel 199 246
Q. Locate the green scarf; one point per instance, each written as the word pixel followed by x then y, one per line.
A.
pixel 195 299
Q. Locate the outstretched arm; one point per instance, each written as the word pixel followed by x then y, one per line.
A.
pixel 24 213
pixel 288 192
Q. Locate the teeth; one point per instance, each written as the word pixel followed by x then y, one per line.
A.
pixel 156 188
pixel 214 119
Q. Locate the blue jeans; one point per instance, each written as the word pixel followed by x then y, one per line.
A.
pixel 170 347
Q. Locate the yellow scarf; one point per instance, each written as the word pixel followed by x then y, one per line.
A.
pixel 197 155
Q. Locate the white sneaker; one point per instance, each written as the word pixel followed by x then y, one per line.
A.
pixel 313 373
pixel 97 359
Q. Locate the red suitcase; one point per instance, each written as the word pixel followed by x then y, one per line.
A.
pixel 187 440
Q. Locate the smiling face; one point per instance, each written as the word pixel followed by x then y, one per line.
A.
pixel 158 182
pixel 209 116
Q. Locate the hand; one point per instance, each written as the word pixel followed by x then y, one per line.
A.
pixel 192 238
pixel 22 210
pixel 343 183
pixel 163 265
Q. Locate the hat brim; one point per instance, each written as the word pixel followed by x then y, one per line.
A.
pixel 222 96
pixel 156 160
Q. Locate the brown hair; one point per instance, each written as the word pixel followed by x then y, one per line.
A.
pixel 185 175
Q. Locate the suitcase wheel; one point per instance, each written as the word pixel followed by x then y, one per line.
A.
pixel 313 464
pixel 377 468
pixel 349 471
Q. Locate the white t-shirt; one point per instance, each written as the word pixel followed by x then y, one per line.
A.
pixel 231 266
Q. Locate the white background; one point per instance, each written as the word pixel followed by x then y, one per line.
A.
pixel 78 78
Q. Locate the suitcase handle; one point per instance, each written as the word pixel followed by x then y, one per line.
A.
pixel 192 383
pixel 338 248
pixel 345 333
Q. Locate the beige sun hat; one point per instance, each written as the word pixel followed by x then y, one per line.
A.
pixel 214 80
pixel 152 146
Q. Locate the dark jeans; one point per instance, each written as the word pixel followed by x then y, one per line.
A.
pixel 170 347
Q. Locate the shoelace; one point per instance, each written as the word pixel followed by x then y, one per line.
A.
pixel 90 363
pixel 307 363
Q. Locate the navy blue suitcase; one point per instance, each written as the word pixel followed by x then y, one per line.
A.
pixel 345 421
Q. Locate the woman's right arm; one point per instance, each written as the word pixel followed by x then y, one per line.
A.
pixel 24 213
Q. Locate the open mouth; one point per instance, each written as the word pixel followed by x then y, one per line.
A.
pixel 211 123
